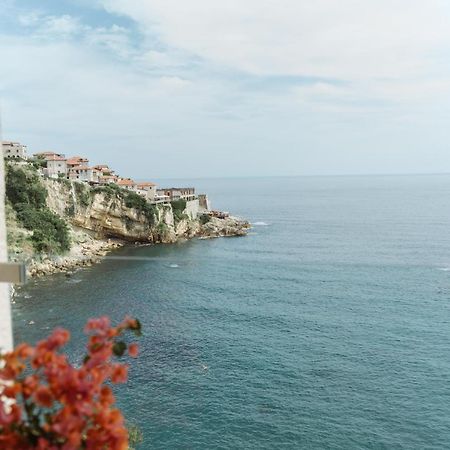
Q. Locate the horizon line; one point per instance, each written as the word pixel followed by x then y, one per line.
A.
pixel 375 174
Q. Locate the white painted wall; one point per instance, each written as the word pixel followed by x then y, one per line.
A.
pixel 14 150
pixel 192 208
pixel 54 168
pixel 6 341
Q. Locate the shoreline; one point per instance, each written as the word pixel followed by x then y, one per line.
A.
pixel 87 250
pixel 84 255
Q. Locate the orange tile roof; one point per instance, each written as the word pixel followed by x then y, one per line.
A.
pixel 101 166
pixel 54 157
pixel 127 182
pixel 76 160
pixel 146 183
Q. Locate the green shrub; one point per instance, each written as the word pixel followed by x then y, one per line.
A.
pixel 28 198
pixel 162 228
pixel 205 218
pixel 109 190
pixel 70 210
pixel 178 207
pixel 38 163
pixel 64 181
pixel 135 201
pixel 130 198
pixel 50 232
pixel 24 187
pixel 82 193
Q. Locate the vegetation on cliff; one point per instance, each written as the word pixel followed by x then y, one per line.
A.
pixel 178 207
pixel 130 199
pixel 27 196
pixel 50 216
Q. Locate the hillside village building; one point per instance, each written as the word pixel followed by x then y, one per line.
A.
pixel 108 179
pixel 45 155
pixel 178 193
pixel 76 168
pixel 56 166
pixel 127 183
pixel 77 161
pixel 14 150
pixel 83 173
pixel 147 190
pixel 161 197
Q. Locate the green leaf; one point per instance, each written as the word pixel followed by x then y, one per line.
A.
pixel 119 348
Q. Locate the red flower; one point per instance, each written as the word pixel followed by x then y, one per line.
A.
pixel 119 373
pixel 44 397
pixel 77 404
pixel 133 350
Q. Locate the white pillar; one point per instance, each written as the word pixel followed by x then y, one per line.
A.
pixel 6 340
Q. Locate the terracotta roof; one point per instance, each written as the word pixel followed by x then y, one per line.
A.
pixel 46 155
pixel 80 168
pixel 146 183
pixel 127 182
pixel 101 166
pixel 76 160
pixel 54 157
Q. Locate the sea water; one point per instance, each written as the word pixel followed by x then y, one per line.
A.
pixel 327 327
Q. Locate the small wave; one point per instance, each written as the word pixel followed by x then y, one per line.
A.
pixel 260 224
pixel 174 266
pixel 444 269
pixel 27 296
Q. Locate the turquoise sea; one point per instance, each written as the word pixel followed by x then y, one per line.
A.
pixel 328 327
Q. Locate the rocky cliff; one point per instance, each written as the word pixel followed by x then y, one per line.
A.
pixel 114 213
pixel 105 217
pixel 108 212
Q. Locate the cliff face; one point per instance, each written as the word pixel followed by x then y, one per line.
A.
pixel 107 215
pixel 43 214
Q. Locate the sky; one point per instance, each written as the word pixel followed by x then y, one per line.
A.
pixel 209 88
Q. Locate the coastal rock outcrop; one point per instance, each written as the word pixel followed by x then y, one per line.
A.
pixel 106 213
pixel 229 226
pixel 103 218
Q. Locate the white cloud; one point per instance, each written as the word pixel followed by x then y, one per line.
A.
pixel 50 25
pixel 178 90
pixel 349 39
pixel 64 25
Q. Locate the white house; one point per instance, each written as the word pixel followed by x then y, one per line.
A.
pixel 76 161
pixel 83 173
pixel 127 183
pixel 56 166
pixel 147 190
pixel 14 150
pixel 178 193
pixel 108 179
